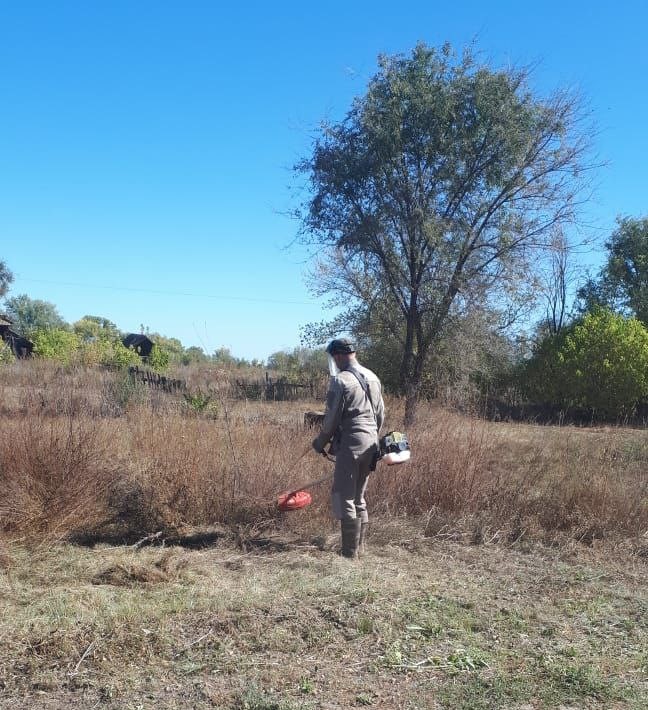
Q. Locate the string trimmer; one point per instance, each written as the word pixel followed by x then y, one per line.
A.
pixel 394 449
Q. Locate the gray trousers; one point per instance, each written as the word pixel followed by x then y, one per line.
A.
pixel 349 485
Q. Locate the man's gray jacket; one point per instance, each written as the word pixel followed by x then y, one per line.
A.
pixel 350 421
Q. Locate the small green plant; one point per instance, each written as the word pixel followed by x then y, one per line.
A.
pixel 393 655
pixel 365 625
pixel 198 401
pixel 462 660
pixel 126 389
pixel 254 699
pixel 306 685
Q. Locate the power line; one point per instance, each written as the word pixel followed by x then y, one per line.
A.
pixel 247 299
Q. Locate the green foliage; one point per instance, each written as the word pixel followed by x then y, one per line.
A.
pixel 67 346
pixel 126 389
pixel 118 355
pixel 172 347
pixel 462 660
pixel 306 685
pixel 623 280
pixel 56 344
pixel 6 278
pixel 101 343
pixel 6 354
pixel 434 192
pixel 299 363
pixel 222 357
pixel 160 358
pixel 29 315
pixel 201 403
pixel 194 354
pixel 92 327
pixel 107 351
pixel 598 363
pixel 256 699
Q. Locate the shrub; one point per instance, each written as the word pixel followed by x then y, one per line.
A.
pixel 56 344
pixel 159 358
pixel 599 363
pixel 107 351
pixel 6 354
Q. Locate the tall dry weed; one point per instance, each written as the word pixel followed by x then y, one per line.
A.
pixel 55 473
pixel 152 465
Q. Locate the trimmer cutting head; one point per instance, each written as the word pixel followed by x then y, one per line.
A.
pixel 294 500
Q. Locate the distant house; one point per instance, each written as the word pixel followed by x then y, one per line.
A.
pixel 20 347
pixel 139 343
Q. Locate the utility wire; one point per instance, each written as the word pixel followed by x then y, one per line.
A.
pixel 248 299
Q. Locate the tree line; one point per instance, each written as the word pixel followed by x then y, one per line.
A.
pixel 97 340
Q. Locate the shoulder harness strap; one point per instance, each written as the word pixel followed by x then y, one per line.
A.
pixel 362 380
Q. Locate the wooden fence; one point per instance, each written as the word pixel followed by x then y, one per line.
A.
pixel 279 390
pixel 154 379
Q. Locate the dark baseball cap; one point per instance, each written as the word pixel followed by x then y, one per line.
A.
pixel 340 346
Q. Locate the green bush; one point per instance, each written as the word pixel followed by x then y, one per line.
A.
pixel 68 347
pixel 121 356
pixel 599 363
pixel 56 344
pixel 107 351
pixel 159 359
pixel 6 354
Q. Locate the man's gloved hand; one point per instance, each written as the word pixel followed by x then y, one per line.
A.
pixel 318 446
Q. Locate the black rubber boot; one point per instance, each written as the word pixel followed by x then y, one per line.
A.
pixel 351 538
pixel 362 544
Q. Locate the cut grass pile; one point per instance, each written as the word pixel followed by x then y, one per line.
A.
pixel 441 625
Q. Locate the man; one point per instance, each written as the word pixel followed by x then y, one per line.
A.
pixel 354 416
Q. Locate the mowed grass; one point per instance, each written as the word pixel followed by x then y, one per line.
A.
pixel 433 624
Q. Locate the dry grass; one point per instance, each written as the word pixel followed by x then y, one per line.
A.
pixel 152 464
pixel 507 565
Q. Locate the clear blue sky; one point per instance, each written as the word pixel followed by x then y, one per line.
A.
pixel 148 145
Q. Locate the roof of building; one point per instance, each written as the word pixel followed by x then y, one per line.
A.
pixel 136 339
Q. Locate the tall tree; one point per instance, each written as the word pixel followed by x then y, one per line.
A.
pixel 6 278
pixel 31 314
pixel 435 191
pixel 96 327
pixel 622 283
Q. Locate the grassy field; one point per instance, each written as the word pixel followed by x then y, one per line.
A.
pixel 507 569
pixel 428 623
